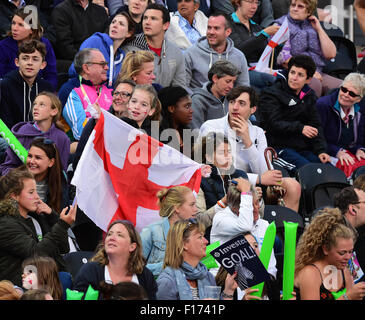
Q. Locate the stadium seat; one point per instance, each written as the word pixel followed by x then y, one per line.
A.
pixel 359 171
pixel 345 61
pixel 75 260
pixel 279 214
pixel 319 183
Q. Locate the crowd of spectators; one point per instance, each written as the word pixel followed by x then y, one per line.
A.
pixel 185 65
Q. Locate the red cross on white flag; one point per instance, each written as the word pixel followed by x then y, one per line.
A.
pixel 121 169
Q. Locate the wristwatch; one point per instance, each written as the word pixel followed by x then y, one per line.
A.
pixel 228 296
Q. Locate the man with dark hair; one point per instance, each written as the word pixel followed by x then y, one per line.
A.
pixel 169 64
pixel 209 102
pixel 287 111
pixel 216 45
pixel 248 143
pixel 351 202
pixel 20 87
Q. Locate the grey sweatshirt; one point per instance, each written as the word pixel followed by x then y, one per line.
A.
pixel 206 106
pixel 169 68
pixel 200 57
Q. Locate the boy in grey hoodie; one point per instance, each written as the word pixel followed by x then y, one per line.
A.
pixel 209 102
pixel 216 45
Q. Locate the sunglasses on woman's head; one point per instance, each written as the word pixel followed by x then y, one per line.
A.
pixel 190 222
pixel 351 93
pixel 45 140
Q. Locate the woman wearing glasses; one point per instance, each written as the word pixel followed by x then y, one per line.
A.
pixel 118 259
pixel 306 36
pixel 343 121
pixel 184 277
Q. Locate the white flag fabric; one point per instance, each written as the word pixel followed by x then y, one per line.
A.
pixel 121 170
pixel 279 37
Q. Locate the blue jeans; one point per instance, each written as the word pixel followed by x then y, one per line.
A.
pixel 298 158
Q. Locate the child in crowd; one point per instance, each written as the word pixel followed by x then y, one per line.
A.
pixel 23 233
pixel 46 111
pixel 36 294
pixel 44 162
pixel 20 87
pixel 42 272
pixel 143 108
pixel 23 29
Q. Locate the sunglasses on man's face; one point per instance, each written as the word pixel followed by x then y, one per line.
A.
pixel 351 93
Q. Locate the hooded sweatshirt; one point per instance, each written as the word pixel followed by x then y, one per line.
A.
pixel 25 132
pixel 16 97
pixel 206 106
pixel 200 57
pixel 104 43
pixel 9 51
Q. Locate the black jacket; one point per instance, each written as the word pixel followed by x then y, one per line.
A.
pixel 215 188
pixel 283 115
pixel 73 25
pixel 250 42
pixel 92 273
pixel 16 97
pixel 18 240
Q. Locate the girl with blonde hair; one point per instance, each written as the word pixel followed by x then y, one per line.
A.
pixel 175 204
pixel 138 66
pixel 46 112
pixel 322 256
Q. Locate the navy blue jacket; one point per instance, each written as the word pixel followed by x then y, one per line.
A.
pixel 92 273
pixel 16 97
pixel 215 188
pixel 330 113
